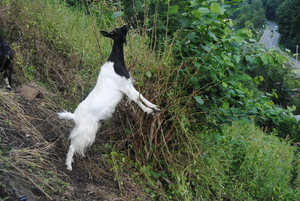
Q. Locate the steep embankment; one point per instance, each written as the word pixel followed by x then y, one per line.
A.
pixel 171 155
pixel 33 146
pixel 33 141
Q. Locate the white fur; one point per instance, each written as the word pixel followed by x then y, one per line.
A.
pixel 7 83
pixel 99 105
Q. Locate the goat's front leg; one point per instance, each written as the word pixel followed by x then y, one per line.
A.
pixel 137 97
pixel 7 79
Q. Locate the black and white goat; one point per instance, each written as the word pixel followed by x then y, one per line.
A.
pixel 6 57
pixel 113 82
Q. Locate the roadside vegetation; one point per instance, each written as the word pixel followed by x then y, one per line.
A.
pixel 253 14
pixel 224 132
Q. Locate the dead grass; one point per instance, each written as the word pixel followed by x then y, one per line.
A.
pixel 33 147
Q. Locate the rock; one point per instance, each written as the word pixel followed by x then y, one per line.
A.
pixel 28 92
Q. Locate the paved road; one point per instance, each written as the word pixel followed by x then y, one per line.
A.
pixel 270 36
pixel 270 39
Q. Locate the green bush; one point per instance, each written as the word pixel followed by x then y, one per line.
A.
pixel 240 163
pixel 288 128
pixel 262 165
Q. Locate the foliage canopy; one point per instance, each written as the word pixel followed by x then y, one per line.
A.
pixel 287 15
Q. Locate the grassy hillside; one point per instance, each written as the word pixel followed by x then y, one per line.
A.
pixel 135 157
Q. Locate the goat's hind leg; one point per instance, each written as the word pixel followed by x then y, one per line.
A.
pixel 70 155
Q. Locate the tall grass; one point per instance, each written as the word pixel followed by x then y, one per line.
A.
pixel 64 50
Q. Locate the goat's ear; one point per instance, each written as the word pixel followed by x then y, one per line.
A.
pixel 106 34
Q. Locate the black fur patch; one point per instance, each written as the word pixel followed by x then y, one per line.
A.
pixel 117 56
pixel 121 70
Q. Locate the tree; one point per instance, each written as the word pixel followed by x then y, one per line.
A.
pixel 288 15
pixel 249 25
pixel 250 15
pixel 160 18
pixel 259 17
pixel 258 14
pixel 270 7
pixel 256 4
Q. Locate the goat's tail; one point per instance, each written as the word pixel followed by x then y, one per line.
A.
pixel 66 115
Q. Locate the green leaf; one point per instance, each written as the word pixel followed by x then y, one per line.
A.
pixel 235 110
pixel 258 79
pixel 148 74
pixel 224 84
pixel 117 14
pixel 272 61
pixel 196 64
pixel 192 36
pixel 225 105
pixel 261 78
pixel 239 38
pixel 229 63
pixel 222 118
pixel 237 58
pixel 207 49
pixel 215 7
pixel 265 99
pixel 173 9
pixel 213 36
pixel 264 59
pixel 203 10
pixel 214 76
pixel 250 59
pixel 242 34
pixel 194 82
pixel 199 100
pixel 281 59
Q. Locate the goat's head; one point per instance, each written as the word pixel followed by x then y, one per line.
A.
pixel 118 34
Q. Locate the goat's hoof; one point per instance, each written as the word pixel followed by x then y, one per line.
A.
pixel 151 110
pixel 155 109
pixel 148 111
pixel 69 167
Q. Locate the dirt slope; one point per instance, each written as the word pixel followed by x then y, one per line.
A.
pixel 33 144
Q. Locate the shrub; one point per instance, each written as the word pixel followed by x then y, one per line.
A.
pixel 288 128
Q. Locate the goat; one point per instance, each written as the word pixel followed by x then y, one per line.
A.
pixel 6 56
pixel 113 82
